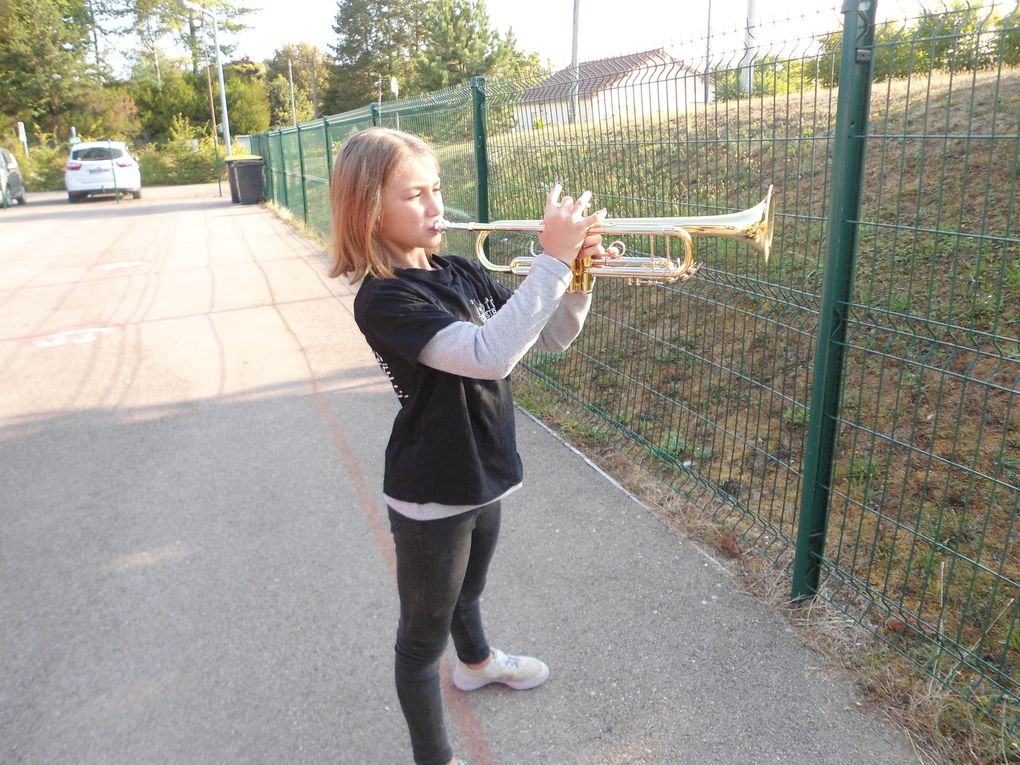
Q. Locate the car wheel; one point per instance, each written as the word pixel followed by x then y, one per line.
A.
pixel 136 194
pixel 72 198
pixel 23 200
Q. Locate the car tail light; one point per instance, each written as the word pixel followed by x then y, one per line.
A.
pixel 73 166
pixel 125 164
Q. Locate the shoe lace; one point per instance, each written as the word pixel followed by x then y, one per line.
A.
pixel 513 662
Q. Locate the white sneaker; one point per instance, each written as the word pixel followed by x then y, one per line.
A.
pixel 518 672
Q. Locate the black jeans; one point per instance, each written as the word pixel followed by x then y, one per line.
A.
pixel 441 570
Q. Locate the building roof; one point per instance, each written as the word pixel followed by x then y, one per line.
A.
pixel 596 76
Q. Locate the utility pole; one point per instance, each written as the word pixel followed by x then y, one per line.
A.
pixel 212 115
pixel 293 106
pixel 708 49
pixel 315 86
pixel 747 62
pixel 574 69
pixel 191 6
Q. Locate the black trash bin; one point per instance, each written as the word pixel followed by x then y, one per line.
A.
pixel 232 178
pixel 251 181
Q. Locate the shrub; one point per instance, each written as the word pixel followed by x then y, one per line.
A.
pixel 185 158
pixel 43 168
pixel 179 162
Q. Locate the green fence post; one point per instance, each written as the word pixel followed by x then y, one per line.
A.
pixel 304 185
pixel 329 150
pixel 374 106
pixel 845 201
pixel 261 149
pixel 481 149
pixel 283 171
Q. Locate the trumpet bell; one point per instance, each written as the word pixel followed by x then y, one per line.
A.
pixel 755 225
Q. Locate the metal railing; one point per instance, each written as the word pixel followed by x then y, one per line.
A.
pixel 852 407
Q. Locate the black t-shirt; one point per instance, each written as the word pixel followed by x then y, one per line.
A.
pixel 453 440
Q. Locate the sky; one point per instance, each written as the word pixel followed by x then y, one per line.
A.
pixel 606 27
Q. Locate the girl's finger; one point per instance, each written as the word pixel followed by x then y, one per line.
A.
pixel 567 202
pixel 584 200
pixel 554 195
pixel 595 218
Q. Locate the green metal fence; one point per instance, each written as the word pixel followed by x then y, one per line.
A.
pixel 851 407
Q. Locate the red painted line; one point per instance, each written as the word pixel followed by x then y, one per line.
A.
pixel 478 750
pixel 471 731
pixel 366 498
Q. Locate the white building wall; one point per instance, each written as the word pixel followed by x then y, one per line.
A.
pixel 642 93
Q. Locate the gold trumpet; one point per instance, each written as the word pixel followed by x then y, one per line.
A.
pixel 753 225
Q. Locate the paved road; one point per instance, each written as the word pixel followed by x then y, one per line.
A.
pixel 194 566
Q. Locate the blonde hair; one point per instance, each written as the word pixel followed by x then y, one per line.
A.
pixel 366 162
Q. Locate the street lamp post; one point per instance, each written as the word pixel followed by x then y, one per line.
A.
pixel 225 119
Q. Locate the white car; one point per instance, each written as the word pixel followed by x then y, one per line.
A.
pixel 101 167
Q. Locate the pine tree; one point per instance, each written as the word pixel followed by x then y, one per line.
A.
pixel 376 40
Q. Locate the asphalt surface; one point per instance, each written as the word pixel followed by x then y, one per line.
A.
pixel 195 565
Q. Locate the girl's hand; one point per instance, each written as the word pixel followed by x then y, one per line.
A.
pixel 592 248
pixel 566 225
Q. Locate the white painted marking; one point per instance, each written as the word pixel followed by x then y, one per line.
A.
pixel 147 558
pixel 122 264
pixel 76 336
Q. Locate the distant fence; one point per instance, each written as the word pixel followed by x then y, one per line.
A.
pixel 852 407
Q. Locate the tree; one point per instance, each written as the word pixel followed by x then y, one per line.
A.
pixel 278 93
pixel 102 18
pixel 178 93
pixel 426 46
pixel 247 103
pixel 461 45
pixel 310 66
pixel 1009 38
pixel 376 39
pixel 962 37
pixel 770 75
pixel 509 62
pixel 43 68
pixel 109 112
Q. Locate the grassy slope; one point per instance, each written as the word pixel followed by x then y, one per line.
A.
pixel 705 384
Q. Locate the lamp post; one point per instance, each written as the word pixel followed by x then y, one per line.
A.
pixel 212 117
pixel 225 121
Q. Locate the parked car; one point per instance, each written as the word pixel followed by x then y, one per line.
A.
pixel 12 186
pixel 101 167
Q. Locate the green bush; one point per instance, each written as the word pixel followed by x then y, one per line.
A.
pixel 185 158
pixel 43 168
pixel 179 162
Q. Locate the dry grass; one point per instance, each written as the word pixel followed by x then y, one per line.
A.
pixel 942 729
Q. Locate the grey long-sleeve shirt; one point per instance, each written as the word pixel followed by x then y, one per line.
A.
pixel 541 313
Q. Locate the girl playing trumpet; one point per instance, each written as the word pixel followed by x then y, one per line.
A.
pixel 447 335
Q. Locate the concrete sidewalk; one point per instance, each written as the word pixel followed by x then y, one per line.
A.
pixel 196 565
